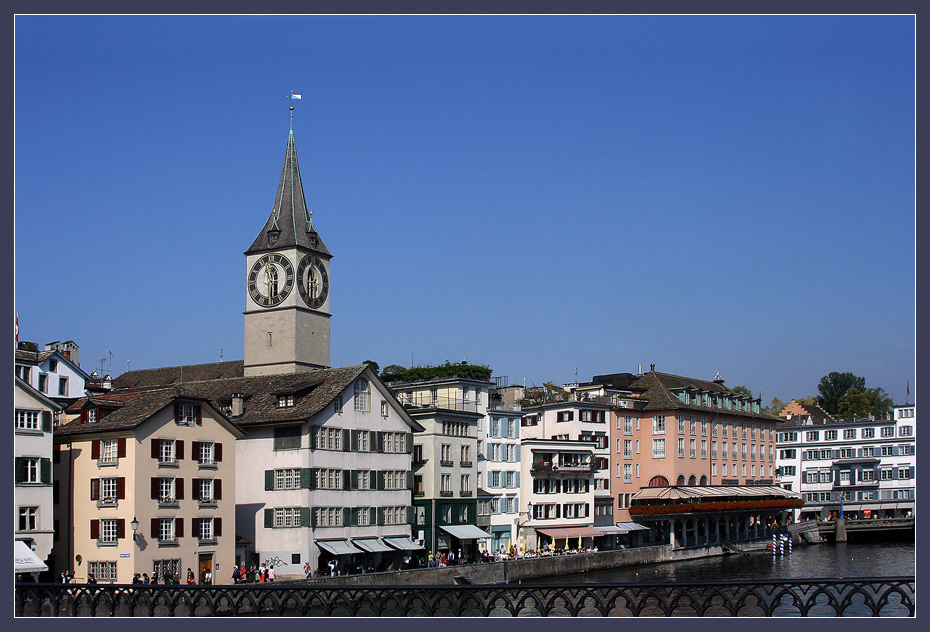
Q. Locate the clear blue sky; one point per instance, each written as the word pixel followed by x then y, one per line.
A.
pixel 716 193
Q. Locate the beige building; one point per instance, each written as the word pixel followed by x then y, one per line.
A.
pixel 147 484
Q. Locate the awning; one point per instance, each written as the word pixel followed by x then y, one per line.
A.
pixel 337 547
pixel 632 526
pixel 465 532
pixel 851 507
pixel 372 545
pixel 571 532
pixel 611 530
pixel 402 544
pixel 25 559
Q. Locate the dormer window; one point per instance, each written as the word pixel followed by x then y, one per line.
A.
pixel 361 395
pixel 187 414
pixel 273 237
pixel 285 401
pixel 52 365
pixel 91 415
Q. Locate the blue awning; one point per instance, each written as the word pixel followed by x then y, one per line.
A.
pixel 465 532
pixel 337 547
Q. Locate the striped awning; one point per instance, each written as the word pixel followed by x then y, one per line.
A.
pixel 710 492
pixel 372 545
pixel 611 530
pixel 465 532
pixel 571 532
pixel 337 547
pixel 632 526
pixel 402 543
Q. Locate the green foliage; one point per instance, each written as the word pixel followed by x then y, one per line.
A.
pixel 834 386
pixel 855 403
pixel 775 407
pixel 395 372
pixel 743 391
pixel 545 394
pixel 373 365
pixel 810 400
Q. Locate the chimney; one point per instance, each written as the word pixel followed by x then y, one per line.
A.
pixel 237 405
pixel 652 367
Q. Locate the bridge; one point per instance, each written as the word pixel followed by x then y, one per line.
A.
pixel 867 525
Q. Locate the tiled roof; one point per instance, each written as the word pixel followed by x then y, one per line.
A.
pixel 168 375
pixel 289 215
pixel 797 409
pixel 657 388
pixel 32 356
pixel 134 407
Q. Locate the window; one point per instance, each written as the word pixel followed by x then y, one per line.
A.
pixel 703 448
pixel 466 454
pixel 868 433
pixel 752 451
pixel 43 382
pixel 91 415
pixel 337 403
pixel 159 568
pixel 844 477
pixel 285 401
pixel 867 475
pixel 787 454
pixel 206 531
pixel 849 433
pixel 361 395
pixel 658 448
pixel 109 450
pixel 627 472
pixel 813 435
pixel 789 470
pixel 384 408
pixel 628 425
pixel 165 451
pixel 887 431
pixel 166 490
pixel 847 453
pixel 734 453
pixel 29 470
pixel 681 448
pixel 627 449
pixel 328 478
pixel 108 490
pixel 692 448
pixel 62 386
pixel 637 446
pixel 830 435
pixel 205 491
pixel 105 571
pixel 658 424
pixel 395 442
pixel 108 531
pixel 637 470
pixel 725 451
pixel 187 413
pixel 703 426
pixel 445 484
pixel 206 453
pixel 418 453
pixel 692 427
pixel 326 517
pixel 28 518
pixel 906 431
pixel 723 469
pixel 445 452
pixel 326 439
pixel 23 372
pixel 288 517
pixel 886 474
pixel 395 479
pixel 869 452
pixel 887 450
pixel 495 479
pixel 904 472
pixel 713 449
pixel 466 484
pixel 681 424
pixel 363 441
pixel 27 419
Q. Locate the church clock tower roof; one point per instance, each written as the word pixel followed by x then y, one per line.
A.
pixel 290 223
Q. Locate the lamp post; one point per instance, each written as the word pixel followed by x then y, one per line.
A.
pixel 135 528
pixel 529 515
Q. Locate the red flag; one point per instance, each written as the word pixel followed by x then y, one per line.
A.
pixel 16 328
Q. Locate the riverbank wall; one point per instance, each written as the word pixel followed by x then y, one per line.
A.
pixel 512 571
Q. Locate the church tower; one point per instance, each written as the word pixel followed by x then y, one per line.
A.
pixel 287 284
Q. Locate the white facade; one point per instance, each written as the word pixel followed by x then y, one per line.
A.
pixel 499 475
pixel 32 451
pixel 870 463
pixel 344 476
pixel 52 373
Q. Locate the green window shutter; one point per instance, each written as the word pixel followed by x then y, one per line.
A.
pixel 346 479
pixel 411 514
pixel 346 440
pixel 45 471
pixel 269 480
pixel 380 436
pixel 46 421
pixel 312 518
pixel 353 446
pixel 353 484
pixel 409 436
pixel 269 518
pixel 409 479
pixel 305 516
pixel 380 476
pixel 306 478
pixel 380 515
pixel 20 467
pixel 347 517
pixel 313 432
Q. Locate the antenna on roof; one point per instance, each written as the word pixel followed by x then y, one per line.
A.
pixel 221 354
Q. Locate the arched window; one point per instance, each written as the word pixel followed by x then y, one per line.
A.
pixel 681 479
pixel 658 481
pixel 704 479
pixel 361 395
pixel 692 480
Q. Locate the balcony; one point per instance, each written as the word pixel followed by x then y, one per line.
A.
pixel 445 494
pixel 415 401
pixel 445 463
pixel 542 467
pixel 465 464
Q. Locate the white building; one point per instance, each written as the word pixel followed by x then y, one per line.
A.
pixel 868 463
pixel 34 417
pixel 499 476
pixel 54 372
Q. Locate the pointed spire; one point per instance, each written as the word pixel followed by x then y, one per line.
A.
pixel 290 222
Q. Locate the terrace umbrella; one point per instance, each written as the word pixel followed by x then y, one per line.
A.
pixel 579 542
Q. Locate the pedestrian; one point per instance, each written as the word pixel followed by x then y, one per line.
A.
pixel 271 573
pixel 145 579
pixel 190 576
pixel 208 577
pixel 332 568
pixel 235 574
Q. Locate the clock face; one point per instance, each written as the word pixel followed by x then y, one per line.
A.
pixel 270 280
pixel 312 281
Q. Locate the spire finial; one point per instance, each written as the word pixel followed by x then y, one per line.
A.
pixel 292 96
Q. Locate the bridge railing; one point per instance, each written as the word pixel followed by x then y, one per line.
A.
pixel 867 596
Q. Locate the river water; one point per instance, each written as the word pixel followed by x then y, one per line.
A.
pixel 890 556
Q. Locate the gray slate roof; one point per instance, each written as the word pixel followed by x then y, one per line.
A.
pixel 289 215
pixel 657 388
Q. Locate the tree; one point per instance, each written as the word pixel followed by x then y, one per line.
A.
pixel 855 403
pixel 373 365
pixel 392 370
pixel 742 391
pixel 834 386
pixel 775 407
pixel 880 402
pixel 810 400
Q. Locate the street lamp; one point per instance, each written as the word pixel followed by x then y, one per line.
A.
pixel 135 528
pixel 529 515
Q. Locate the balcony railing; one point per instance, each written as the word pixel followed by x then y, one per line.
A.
pixel 425 400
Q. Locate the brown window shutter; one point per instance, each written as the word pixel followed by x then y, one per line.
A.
pixel 121 488
pixel 199 415
pixel 195 527
pixel 218 489
pixel 154 526
pixel 56 453
pixel 217 452
pixel 94 529
pixel 177 411
pixel 155 488
pixel 195 489
pixel 179 527
pixel 179 488
pixel 156 444
pixel 95 449
pixel 195 451
pixel 120 529
pixel 179 450
pixel 121 448
pixel 217 527
pixel 95 489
